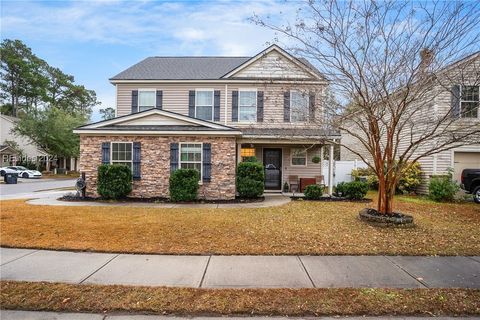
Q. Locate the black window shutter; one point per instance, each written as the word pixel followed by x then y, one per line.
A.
pixel 191 103
pixel 207 162
pixel 136 160
pixel 259 106
pixel 456 101
pixel 134 101
pixel 286 106
pixel 216 105
pixel 235 106
pixel 173 156
pixel 311 109
pixel 105 152
pixel 159 99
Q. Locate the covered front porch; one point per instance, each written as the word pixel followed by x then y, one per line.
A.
pixel 293 162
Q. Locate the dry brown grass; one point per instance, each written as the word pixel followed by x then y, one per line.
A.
pixel 311 228
pixel 189 301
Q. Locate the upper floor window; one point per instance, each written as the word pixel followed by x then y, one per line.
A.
pixel 204 104
pixel 191 156
pixel 298 106
pixel 121 153
pixel 247 105
pixel 469 101
pixel 299 157
pixel 146 99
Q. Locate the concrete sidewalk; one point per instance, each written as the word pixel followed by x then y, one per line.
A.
pixel 240 271
pixel 271 200
pixel 41 315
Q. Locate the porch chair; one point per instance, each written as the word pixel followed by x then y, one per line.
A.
pixel 293 183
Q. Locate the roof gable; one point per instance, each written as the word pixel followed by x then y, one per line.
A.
pixel 274 62
pixel 157 118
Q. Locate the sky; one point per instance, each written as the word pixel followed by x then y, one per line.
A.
pixel 95 40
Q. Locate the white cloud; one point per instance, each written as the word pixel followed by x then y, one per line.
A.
pixel 158 28
pixel 197 28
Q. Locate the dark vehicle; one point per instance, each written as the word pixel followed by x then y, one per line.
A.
pixel 471 183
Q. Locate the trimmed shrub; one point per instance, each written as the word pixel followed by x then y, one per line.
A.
pixel 184 185
pixel 114 181
pixel 250 179
pixel 410 179
pixel 356 190
pixel 250 159
pixel 442 188
pixel 341 189
pixel 313 192
pixel 286 187
pixel 368 173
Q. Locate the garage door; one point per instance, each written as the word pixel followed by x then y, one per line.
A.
pixel 465 160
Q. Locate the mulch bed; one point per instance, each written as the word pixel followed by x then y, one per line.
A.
pixel 75 198
pixel 331 199
pixel 395 219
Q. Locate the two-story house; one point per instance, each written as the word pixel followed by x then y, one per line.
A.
pixel 208 113
pixel 454 91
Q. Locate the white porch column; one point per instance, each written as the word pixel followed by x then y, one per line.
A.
pixel 239 152
pixel 330 170
pixel 322 148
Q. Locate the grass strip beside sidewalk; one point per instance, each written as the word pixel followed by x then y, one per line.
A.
pixel 58 297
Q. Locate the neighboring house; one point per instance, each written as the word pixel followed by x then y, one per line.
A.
pixel 28 149
pixel 10 156
pixel 208 113
pixel 463 99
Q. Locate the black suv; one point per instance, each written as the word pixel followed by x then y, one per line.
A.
pixel 471 183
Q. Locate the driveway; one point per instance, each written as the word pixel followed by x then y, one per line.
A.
pixel 34 188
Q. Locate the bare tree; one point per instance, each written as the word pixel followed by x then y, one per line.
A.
pixel 388 62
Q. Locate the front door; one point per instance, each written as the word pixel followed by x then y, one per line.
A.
pixel 272 161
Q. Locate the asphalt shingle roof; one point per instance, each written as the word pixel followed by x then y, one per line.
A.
pixel 159 128
pixel 187 68
pixel 181 68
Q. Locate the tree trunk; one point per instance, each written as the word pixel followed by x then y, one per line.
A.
pixel 386 193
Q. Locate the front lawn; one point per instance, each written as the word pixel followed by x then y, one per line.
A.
pixel 300 227
pixel 251 302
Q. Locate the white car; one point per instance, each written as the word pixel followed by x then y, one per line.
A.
pixel 26 173
pixel 4 170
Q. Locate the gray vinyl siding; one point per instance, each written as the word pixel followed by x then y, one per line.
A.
pixel 175 96
pixel 175 99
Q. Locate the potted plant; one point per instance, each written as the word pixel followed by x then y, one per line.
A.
pixel 316 159
pixel 285 187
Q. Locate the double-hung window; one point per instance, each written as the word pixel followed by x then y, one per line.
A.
pixel 191 156
pixel 247 105
pixel 146 99
pixel 204 104
pixel 469 101
pixel 299 157
pixel 121 153
pixel 298 106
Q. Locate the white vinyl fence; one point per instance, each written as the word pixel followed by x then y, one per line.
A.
pixel 342 170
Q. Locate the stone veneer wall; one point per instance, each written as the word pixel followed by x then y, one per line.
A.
pixel 155 165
